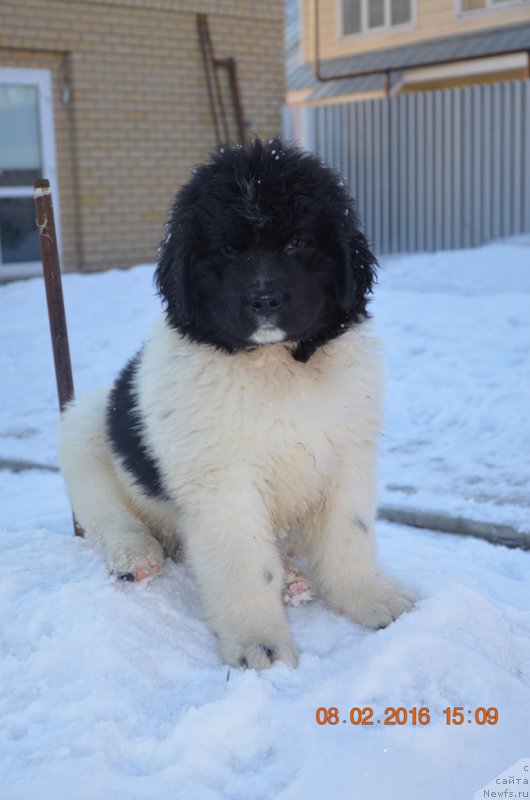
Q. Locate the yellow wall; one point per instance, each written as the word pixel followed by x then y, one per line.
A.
pixel 434 19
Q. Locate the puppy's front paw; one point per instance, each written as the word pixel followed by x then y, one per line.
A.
pixel 377 603
pixel 140 574
pixel 135 558
pixel 258 654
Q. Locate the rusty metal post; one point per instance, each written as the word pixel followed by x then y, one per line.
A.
pixel 205 44
pixel 231 66
pixel 54 297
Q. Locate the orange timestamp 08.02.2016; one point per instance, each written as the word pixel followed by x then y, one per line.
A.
pixel 452 715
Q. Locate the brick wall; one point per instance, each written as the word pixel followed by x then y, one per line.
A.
pixel 138 116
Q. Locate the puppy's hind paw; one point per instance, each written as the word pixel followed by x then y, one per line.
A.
pixel 298 590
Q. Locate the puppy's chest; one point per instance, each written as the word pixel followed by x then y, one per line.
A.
pixel 296 451
pixel 287 431
pixel 277 424
pixel 280 427
pixel 285 426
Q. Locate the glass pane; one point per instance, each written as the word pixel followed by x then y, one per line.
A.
pixel 401 11
pixel 376 13
pixel 473 5
pixel 351 16
pixel 20 154
pixel 19 239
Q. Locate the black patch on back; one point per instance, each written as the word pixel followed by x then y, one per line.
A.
pixel 124 429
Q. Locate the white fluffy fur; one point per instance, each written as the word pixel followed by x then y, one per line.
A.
pixel 247 444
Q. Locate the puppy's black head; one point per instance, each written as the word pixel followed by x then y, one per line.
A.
pixel 263 246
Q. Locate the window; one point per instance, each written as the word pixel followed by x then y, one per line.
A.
pixel 363 16
pixel 26 153
pixel 376 13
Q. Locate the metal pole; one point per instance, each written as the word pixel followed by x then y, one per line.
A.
pixel 217 85
pixel 202 22
pixel 54 297
pixel 231 66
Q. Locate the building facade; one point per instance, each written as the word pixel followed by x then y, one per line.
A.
pixel 109 99
pixel 424 107
pixel 340 50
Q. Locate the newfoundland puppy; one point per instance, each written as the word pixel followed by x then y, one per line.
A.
pixel 251 414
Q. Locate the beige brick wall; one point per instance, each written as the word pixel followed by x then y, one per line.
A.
pixel 434 19
pixel 138 117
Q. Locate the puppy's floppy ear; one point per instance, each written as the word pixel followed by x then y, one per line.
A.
pixel 172 277
pixel 357 274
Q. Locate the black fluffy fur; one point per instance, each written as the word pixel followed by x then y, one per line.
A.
pixel 124 430
pixel 230 230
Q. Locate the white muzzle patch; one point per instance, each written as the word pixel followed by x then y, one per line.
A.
pixel 268 334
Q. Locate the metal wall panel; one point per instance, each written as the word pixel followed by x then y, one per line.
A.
pixel 526 154
pixel 432 170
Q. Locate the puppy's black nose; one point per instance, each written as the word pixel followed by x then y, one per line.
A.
pixel 265 303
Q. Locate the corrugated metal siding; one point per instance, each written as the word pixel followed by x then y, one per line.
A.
pixel 432 170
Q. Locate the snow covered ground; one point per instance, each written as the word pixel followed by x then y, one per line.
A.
pixel 456 328
pixel 111 691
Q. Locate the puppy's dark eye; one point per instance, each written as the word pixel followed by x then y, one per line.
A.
pixel 294 244
pixel 228 250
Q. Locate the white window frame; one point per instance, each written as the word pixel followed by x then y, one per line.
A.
pixel 382 29
pixel 41 79
pixel 489 7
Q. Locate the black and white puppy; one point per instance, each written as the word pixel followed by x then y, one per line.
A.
pixel 254 407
